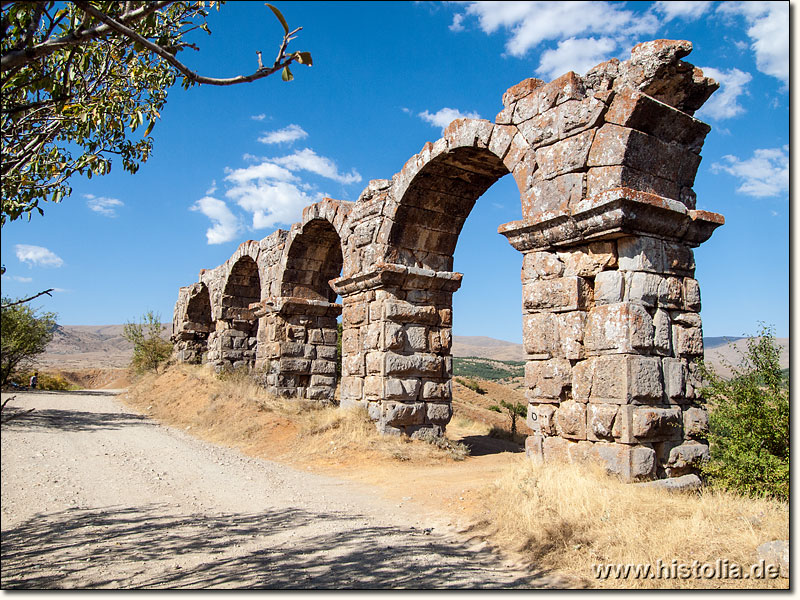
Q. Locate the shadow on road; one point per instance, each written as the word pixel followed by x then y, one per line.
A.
pixel 72 420
pixel 124 547
pixel 482 445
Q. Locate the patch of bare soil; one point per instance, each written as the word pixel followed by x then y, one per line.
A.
pixel 96 379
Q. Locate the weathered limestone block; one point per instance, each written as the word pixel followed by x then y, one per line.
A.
pixel 670 293
pixel 295 365
pixel 644 113
pixel 541 265
pixel 401 389
pixel 416 338
pixel 353 365
pixel 644 253
pixel 540 419
pixel 650 424
pixel 614 145
pixel 662 337
pixel 565 156
pixel 589 260
pixel 397 414
pixel 438 413
pixel 618 328
pixel 419 364
pixel 548 378
pixel 618 379
pixel 687 334
pixel 563 294
pixel 674 378
pixel 432 390
pixel 571 420
pixel 643 288
pixel 603 179
pixel 556 195
pixel 609 287
pixel 686 457
pixel 695 422
pixel 600 420
pixel 691 295
pixel 540 334
pixel 571 329
pixel 521 90
pixel 630 463
pixel 405 312
pixel 541 129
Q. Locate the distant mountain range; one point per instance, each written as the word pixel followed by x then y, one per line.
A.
pixel 103 346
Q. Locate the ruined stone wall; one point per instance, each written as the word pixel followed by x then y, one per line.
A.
pixel 605 165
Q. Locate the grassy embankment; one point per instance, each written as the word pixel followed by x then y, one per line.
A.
pixel 562 518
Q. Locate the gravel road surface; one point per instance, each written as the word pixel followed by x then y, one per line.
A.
pixel 95 496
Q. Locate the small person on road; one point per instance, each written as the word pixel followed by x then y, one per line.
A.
pixel 34 379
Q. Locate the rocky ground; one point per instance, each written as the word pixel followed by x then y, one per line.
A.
pixel 97 496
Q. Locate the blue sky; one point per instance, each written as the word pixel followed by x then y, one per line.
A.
pixel 235 163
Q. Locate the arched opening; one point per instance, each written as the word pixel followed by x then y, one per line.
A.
pixel 413 387
pixel 315 257
pixel 200 324
pixel 305 326
pixel 437 203
pixel 240 339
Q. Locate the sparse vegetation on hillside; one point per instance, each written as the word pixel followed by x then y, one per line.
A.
pixel 749 423
pixel 486 368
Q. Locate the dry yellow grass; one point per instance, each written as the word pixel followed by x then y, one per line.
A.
pixel 562 517
pixel 570 518
pixel 238 413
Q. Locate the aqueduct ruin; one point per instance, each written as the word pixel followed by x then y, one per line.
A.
pixel 605 165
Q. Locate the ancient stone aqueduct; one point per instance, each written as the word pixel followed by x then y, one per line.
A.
pixel 605 165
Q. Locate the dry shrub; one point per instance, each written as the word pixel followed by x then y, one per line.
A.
pixel 569 518
pixel 235 411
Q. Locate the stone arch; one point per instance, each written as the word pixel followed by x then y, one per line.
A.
pixel 192 324
pixel 238 336
pixel 314 257
pixel 436 190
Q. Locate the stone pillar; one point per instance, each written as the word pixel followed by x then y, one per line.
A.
pixel 297 347
pixel 397 333
pixel 611 327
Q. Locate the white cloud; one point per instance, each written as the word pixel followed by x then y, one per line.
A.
pixel 290 133
pixel 724 104
pixel 263 170
pixel 308 160
pixel 213 188
pixel 575 54
pixel 225 225
pixel 677 9
pixel 260 117
pixel 444 116
pixel 765 174
pixel 768 29
pixel 271 202
pixel 530 23
pixel 457 24
pixel 22 279
pixel 37 255
pixel 105 206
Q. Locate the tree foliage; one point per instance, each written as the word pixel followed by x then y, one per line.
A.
pixel 150 350
pixel 749 423
pixel 24 334
pixel 80 80
pixel 513 410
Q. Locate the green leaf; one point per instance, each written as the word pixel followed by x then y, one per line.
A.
pixel 287 74
pixel 280 18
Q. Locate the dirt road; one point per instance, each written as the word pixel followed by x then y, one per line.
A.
pixel 95 496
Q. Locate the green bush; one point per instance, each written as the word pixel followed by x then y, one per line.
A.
pixel 749 423
pixel 45 381
pixel 472 385
pixel 24 334
pixel 150 350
